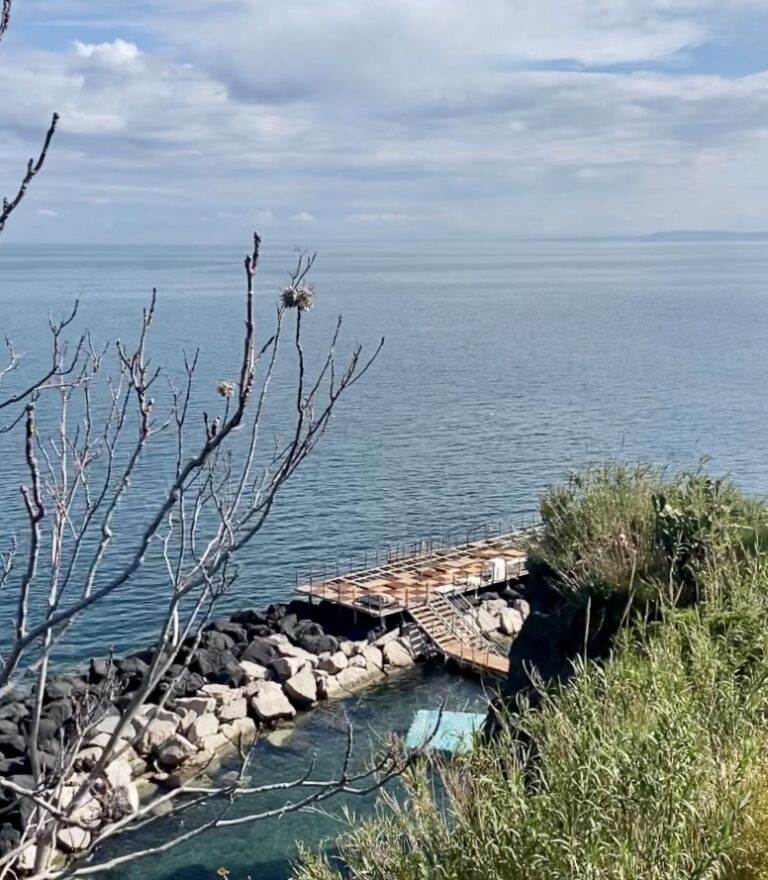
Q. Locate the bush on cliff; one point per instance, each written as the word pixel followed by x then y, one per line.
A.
pixel 650 766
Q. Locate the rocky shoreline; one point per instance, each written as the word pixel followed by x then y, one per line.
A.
pixel 250 671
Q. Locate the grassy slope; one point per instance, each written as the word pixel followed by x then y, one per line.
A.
pixel 652 765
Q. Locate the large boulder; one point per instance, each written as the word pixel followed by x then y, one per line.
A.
pixel 511 621
pixel 241 730
pixel 270 703
pixel 175 751
pixel 233 710
pixel 259 651
pixel 374 657
pixel 73 839
pixel 222 693
pixel 327 685
pixel 396 654
pixel 202 726
pixel 302 687
pixel 253 671
pixel 353 677
pixel 487 621
pixel 523 607
pixel 213 640
pixel 286 667
pixel 318 644
pixel 199 705
pixel 154 735
pixel 333 663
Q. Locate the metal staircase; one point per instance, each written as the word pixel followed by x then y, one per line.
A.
pixel 451 627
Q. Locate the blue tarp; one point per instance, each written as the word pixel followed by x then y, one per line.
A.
pixel 454 734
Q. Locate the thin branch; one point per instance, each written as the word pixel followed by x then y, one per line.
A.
pixel 33 167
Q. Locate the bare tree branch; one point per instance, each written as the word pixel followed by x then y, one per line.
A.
pixel 5 18
pixel 33 166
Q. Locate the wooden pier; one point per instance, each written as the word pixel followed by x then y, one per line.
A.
pixel 429 587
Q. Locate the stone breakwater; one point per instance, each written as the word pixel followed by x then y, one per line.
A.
pixel 250 671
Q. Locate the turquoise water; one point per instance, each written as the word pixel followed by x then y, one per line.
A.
pixel 504 365
pixel 264 851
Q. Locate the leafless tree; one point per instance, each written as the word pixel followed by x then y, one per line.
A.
pixel 107 407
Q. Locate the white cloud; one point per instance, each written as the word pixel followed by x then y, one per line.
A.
pixel 115 54
pixel 439 114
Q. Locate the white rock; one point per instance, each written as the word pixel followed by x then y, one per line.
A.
pixel 108 724
pixel 494 606
pixel 155 734
pixel 327 685
pixel 203 726
pixel 223 693
pixel 396 654
pixel 358 661
pixel 287 667
pixel 302 688
pixel 119 773
pixel 511 621
pixel 290 650
pixel 522 606
pixel 25 861
pixel 387 637
pixel 198 705
pixel 210 745
pixel 73 839
pixel 270 703
pixel 102 740
pixel 175 751
pixel 187 720
pixel 374 657
pixel 279 640
pixel 360 646
pixel 241 730
pixel 233 710
pixel 347 648
pixel 125 800
pixel 279 737
pixel 352 677
pixel 486 621
pixel 253 671
pixel 333 663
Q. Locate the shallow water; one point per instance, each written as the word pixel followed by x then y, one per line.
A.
pixel 265 850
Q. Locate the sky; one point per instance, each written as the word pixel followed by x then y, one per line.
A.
pixel 198 120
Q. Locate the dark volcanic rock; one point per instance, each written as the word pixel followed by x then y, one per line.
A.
pixel 249 617
pixel 8 728
pixel 208 661
pixel 59 711
pixel 14 711
pixel 58 689
pixel 260 630
pixel 259 651
pixel 309 628
pixel 133 667
pixel 10 838
pixel 287 625
pixel 276 612
pixel 99 669
pixel 318 644
pixel 217 641
pixel 232 674
pixel 13 746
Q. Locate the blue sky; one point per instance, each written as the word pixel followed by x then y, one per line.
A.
pixel 320 119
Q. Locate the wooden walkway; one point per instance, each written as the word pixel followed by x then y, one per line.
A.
pixel 406 583
pixel 455 634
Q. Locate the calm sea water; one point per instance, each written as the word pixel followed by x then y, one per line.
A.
pixel 504 366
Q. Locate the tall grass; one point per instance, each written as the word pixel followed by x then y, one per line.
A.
pixel 650 766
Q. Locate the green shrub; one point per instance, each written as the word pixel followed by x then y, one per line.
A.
pixel 651 766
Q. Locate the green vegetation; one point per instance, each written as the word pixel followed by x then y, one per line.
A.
pixel 652 764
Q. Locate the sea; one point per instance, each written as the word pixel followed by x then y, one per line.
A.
pixel 504 366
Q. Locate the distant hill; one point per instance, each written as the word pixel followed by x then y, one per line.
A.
pixel 705 235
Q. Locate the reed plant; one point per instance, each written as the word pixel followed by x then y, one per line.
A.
pixel 652 765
